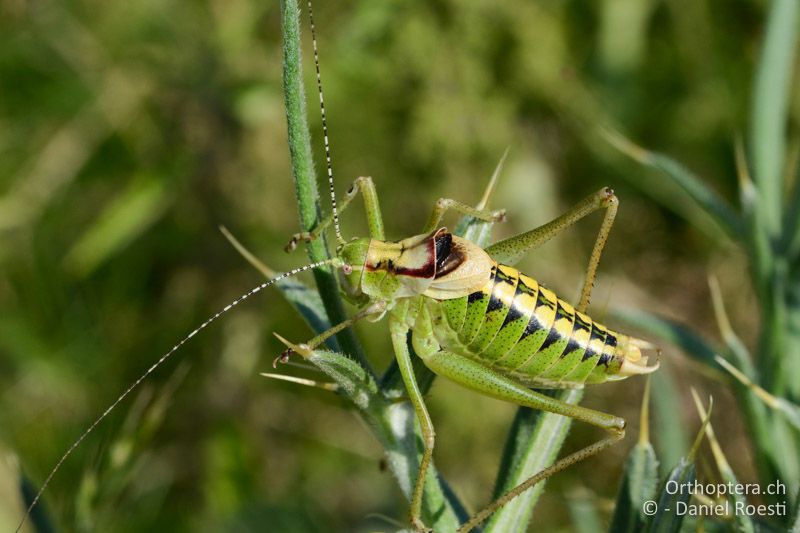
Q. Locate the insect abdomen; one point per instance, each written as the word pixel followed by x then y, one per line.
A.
pixel 524 330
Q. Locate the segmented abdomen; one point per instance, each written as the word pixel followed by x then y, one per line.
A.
pixel 524 330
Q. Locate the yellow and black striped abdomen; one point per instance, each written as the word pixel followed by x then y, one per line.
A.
pixel 522 329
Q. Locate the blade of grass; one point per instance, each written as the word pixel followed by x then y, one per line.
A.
pixel 735 344
pixel 666 518
pixel 545 437
pixel 789 410
pixel 671 437
pixel 744 523
pixel 706 198
pixel 770 108
pixel 791 232
pixel 476 230
pixel 129 215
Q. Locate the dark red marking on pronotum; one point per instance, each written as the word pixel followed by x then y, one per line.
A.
pixel 443 257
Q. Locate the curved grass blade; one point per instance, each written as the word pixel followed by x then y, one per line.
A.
pixel 638 486
pixel 770 109
pixel 744 524
pixel 790 411
pixel 479 231
pixel 710 201
pixel 736 347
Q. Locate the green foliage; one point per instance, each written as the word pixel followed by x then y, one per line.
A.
pixel 767 386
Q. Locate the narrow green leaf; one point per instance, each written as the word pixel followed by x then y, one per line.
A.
pixel 670 432
pixel 788 358
pixel 671 504
pixel 754 400
pixel 357 384
pixel 471 228
pixel 770 109
pixel 735 345
pixel 744 523
pixel 790 411
pixel 791 231
pixel 526 457
pixel 697 190
pixel 638 486
pixel 310 306
pixel 513 451
pixel 785 438
pixel 640 479
pixel 135 210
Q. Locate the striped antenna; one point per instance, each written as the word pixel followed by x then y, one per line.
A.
pixel 158 363
pixel 324 127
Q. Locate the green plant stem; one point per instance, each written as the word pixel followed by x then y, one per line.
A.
pixel 305 178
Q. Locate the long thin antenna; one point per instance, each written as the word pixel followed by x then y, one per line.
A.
pixel 156 365
pixel 339 237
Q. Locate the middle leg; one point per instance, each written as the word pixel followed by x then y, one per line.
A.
pixel 443 204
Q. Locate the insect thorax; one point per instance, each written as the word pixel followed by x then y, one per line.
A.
pixel 437 265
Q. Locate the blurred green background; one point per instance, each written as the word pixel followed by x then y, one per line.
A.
pixel 129 131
